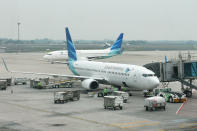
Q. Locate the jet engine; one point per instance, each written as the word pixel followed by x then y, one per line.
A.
pixel 90 84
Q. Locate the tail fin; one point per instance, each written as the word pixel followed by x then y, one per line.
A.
pixel 166 60
pixel 117 45
pixel 72 56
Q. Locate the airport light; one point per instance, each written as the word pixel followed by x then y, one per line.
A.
pixel 18 30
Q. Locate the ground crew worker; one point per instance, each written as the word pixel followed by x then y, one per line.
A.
pixel 39 84
pixel 105 91
pixel 115 89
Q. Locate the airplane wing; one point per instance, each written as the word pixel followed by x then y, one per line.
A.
pixel 100 80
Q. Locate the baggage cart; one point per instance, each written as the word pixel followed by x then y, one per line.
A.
pixel 123 94
pixel 113 102
pixel 3 84
pixel 9 81
pixel 65 96
pixel 153 103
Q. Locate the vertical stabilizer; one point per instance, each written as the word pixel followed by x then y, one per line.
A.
pixel 118 43
pixel 72 56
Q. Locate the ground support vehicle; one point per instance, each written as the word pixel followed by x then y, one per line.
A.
pixel 65 96
pixel 148 93
pixel 123 94
pixel 155 102
pixel 3 84
pixel 105 92
pixel 9 81
pixel 158 90
pixel 40 83
pixel 171 96
pixel 126 89
pixel 113 102
pixel 59 83
pixel 20 81
pixel 64 85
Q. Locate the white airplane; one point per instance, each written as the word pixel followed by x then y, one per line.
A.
pixel 62 55
pixel 92 73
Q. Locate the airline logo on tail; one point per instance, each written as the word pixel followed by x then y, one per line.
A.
pixel 70 47
pixel 116 47
pixel 72 56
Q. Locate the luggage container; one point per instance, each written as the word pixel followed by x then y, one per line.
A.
pixel 123 94
pixel 65 96
pixel 113 102
pixel 154 103
pixel 3 84
pixel 9 81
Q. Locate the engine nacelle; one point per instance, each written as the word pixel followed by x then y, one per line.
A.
pixel 90 84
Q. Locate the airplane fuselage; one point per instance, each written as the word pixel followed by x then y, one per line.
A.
pixel 62 55
pixel 127 75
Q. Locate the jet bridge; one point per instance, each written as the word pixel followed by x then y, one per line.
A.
pixel 183 69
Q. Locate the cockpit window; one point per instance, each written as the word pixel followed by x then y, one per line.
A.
pixel 148 75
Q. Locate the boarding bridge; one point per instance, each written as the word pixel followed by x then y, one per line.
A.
pixel 183 70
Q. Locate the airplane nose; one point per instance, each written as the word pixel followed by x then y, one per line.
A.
pixel 45 57
pixel 155 82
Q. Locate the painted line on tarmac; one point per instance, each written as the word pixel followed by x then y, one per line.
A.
pixel 53 112
pixel 142 125
pixel 136 124
pixel 182 126
pixel 185 125
pixel 120 125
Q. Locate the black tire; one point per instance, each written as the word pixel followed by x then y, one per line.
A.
pixel 100 94
pixel 120 107
pixel 105 107
pixel 114 108
pixel 171 99
pixel 164 108
pixel 125 101
pixel 188 94
pixel 146 108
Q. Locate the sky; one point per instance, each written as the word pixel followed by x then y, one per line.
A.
pixel 99 19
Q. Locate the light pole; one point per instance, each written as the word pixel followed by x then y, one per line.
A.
pixel 18 30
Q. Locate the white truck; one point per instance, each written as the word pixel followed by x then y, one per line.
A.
pixel 113 102
pixel 22 81
pixel 123 94
pixel 155 102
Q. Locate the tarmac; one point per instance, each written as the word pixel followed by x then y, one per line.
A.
pixel 34 110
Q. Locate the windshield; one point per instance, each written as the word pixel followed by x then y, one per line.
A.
pixel 148 75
